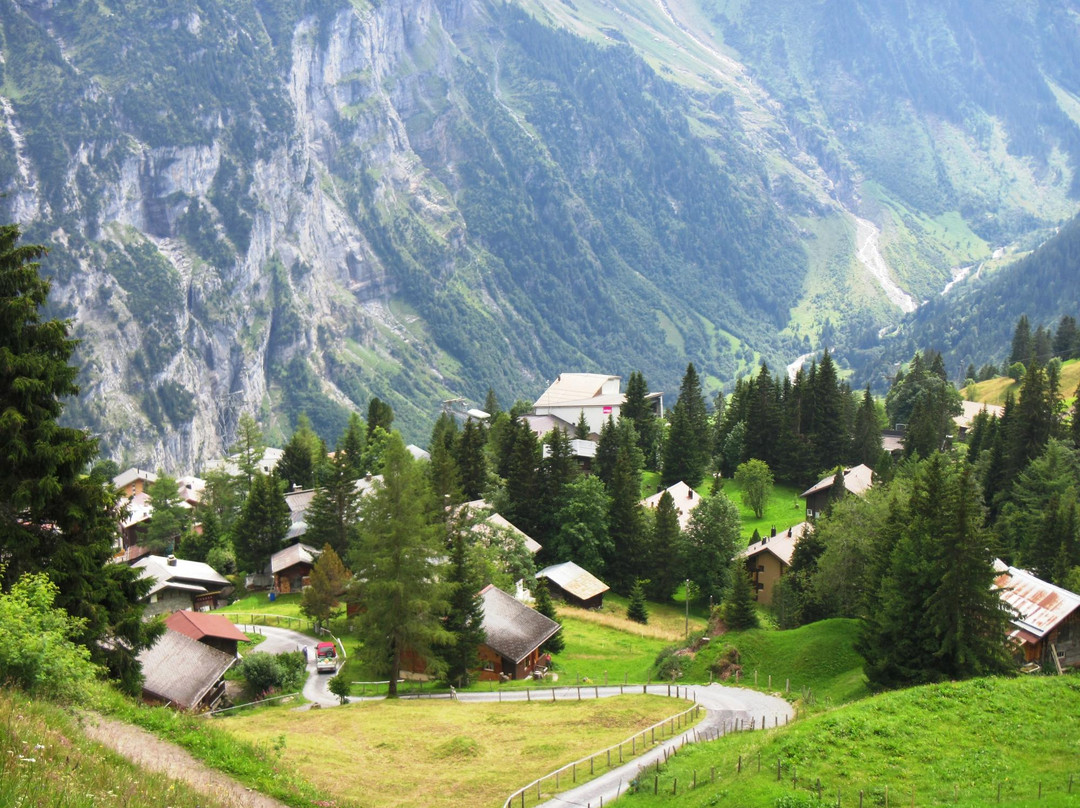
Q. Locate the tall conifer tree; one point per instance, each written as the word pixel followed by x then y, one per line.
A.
pixel 686 449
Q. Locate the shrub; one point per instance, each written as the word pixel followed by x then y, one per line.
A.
pixel 267 672
pixel 36 650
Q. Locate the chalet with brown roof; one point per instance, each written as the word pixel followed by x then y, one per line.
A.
pixel 686 500
pixel 857 480
pixel 513 634
pixel 291 567
pixel 575 585
pixel 1046 621
pixel 767 560
pixel 185 673
pixel 209 629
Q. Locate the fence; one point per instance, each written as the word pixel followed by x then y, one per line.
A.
pixel 252 703
pixel 605 759
pixel 802 784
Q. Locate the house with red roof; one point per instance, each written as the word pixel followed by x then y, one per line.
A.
pixel 209 629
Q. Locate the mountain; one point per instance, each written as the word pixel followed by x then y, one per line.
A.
pixel 290 207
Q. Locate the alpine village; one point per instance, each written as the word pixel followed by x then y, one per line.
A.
pixel 506 403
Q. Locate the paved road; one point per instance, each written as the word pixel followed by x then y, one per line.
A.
pixel 725 706
pixel 280 640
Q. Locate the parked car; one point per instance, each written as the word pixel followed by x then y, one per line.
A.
pixel 326 657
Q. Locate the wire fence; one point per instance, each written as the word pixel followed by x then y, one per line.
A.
pixel 586 768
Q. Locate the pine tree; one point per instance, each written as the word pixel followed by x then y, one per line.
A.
pixel 636 609
pixel 1021 342
pixel 665 563
pixel 523 479
pixel 581 428
pixel 263 524
pixel 739 611
pixel 542 603
pixel 557 470
pixel 465 612
pixel 351 445
pixel 866 439
pixel 379 415
pixel 329 577
pixel 686 449
pixel 830 436
pixel 472 461
pixel 333 516
pixel 301 457
pixel 53 517
pixel 396 564
pixel 491 403
pixel 639 411
pixel 249 449
pixel 626 525
pixel 197 542
pixel 443 468
pixel 607 449
pixel 169 520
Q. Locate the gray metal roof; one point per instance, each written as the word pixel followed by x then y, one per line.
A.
pixel 298 553
pixel 576 580
pixel 181 670
pixel 512 629
pixel 180 573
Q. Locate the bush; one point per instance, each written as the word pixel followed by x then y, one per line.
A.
pixel 265 673
pixel 37 653
pixel 1017 371
pixel 340 687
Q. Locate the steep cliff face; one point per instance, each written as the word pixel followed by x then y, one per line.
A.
pixel 282 207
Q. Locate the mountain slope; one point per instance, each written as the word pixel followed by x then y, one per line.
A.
pixel 278 207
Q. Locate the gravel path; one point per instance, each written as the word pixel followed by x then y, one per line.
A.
pixel 149 751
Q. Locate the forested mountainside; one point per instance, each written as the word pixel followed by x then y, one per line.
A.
pixel 280 207
pixel 975 325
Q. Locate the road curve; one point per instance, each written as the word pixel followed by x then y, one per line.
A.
pixel 280 640
pixel 724 706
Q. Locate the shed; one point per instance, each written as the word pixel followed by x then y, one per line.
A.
pixel 575 585
pixel 1046 624
pixel 513 634
pixel 291 567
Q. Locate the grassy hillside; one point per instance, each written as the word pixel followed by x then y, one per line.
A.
pixel 46 760
pixel 993 391
pixel 819 657
pixel 442 753
pixel 954 744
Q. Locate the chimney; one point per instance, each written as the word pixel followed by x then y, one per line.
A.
pixel 171 560
pixel 690 494
pixel 789 532
pixel 773 534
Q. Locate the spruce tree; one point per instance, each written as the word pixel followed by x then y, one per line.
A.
pixel 379 415
pixel 543 604
pixel 866 438
pixel 557 470
pixel 351 445
pixel 301 457
pixel 830 436
pixel 686 448
pixel 581 428
pixel 1021 341
pixel 607 449
pixel 639 411
pixel 263 524
pixel 465 611
pixel 249 448
pixel 54 518
pixel 739 611
pixel 329 577
pixel 491 403
pixel 472 460
pixel 636 609
pixel 169 520
pixel 523 479
pixel 333 516
pixel 628 560
pixel 665 564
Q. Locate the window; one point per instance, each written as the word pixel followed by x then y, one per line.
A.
pixel 489 665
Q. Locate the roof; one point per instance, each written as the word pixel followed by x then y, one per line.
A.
pixel 1040 606
pixel 857 479
pixel 496 521
pixel 571 578
pixel 542 424
pixel 126 478
pixel 417 452
pixel 511 628
pixel 972 408
pixel 292 555
pixel 782 545
pixel 194 576
pixel 500 521
pixel 573 388
pixel 198 625
pixel 299 502
pixel 686 500
pixel 181 670
pixel 138 509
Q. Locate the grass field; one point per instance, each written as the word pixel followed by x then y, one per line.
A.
pixel 820 657
pixel 442 753
pixel 783 510
pixel 950 744
pixel 993 391
pixel 46 760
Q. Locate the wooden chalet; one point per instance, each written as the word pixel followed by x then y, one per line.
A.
pixel 767 560
pixel 180 584
pixel 291 567
pixel 513 634
pixel 575 585
pixel 686 500
pixel 1046 623
pixel 209 629
pixel 857 480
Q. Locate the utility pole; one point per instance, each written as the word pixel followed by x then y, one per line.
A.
pixel 688 607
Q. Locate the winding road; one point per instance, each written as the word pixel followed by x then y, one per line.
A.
pixel 280 640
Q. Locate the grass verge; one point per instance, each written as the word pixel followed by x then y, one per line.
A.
pixel 46 760
pixel 949 744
